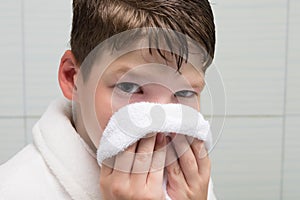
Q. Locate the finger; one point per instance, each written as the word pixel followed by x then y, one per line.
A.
pixel 107 166
pixel 156 174
pixel 174 174
pixel 187 160
pixel 124 161
pixel 201 156
pixel 142 160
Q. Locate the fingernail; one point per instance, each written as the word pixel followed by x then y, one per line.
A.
pixel 169 139
pixel 203 151
pixel 160 138
pixel 172 135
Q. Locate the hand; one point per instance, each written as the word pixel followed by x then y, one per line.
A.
pixel 188 176
pixel 136 173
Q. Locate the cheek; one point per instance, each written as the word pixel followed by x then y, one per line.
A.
pixel 198 100
pixel 103 106
pixel 193 102
pixel 107 102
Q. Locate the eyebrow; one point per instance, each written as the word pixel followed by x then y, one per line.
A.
pixel 119 71
pixel 122 69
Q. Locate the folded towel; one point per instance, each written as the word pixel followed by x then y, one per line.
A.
pixel 134 121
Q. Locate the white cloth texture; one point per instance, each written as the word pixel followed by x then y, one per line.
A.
pixel 58 165
pixel 134 121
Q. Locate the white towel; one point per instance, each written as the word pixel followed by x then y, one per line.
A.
pixel 134 121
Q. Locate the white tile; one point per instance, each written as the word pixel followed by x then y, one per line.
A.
pixel 11 100
pixel 11 138
pixel 291 179
pixel 30 122
pixel 251 54
pixel 214 98
pixel 293 81
pixel 47 30
pixel 246 162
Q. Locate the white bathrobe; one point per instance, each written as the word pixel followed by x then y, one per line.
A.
pixel 59 165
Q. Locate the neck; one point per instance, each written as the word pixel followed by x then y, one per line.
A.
pixel 80 129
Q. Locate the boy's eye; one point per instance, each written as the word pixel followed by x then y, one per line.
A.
pixel 185 93
pixel 128 87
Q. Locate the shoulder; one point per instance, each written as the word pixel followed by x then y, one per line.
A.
pixel 211 194
pixel 23 158
pixel 27 176
pixel 28 152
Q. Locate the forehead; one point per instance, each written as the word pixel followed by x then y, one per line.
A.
pixel 136 58
pixel 146 65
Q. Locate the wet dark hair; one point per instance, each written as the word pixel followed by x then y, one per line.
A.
pixel 94 21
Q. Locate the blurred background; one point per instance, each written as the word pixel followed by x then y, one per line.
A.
pixel 258 53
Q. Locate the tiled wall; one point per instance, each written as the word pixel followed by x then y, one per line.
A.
pixel 258 53
pixel 257 156
pixel 34 35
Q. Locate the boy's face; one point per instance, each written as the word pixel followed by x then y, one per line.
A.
pixel 139 76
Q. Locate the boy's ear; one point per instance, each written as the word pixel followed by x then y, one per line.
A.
pixel 67 74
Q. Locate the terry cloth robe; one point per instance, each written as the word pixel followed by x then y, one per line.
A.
pixel 59 165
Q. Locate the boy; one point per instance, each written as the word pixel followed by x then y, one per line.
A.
pixel 61 164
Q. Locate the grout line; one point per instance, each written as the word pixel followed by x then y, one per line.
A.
pixel 205 115
pixel 284 98
pixel 24 68
pixel 20 117
pixel 245 116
